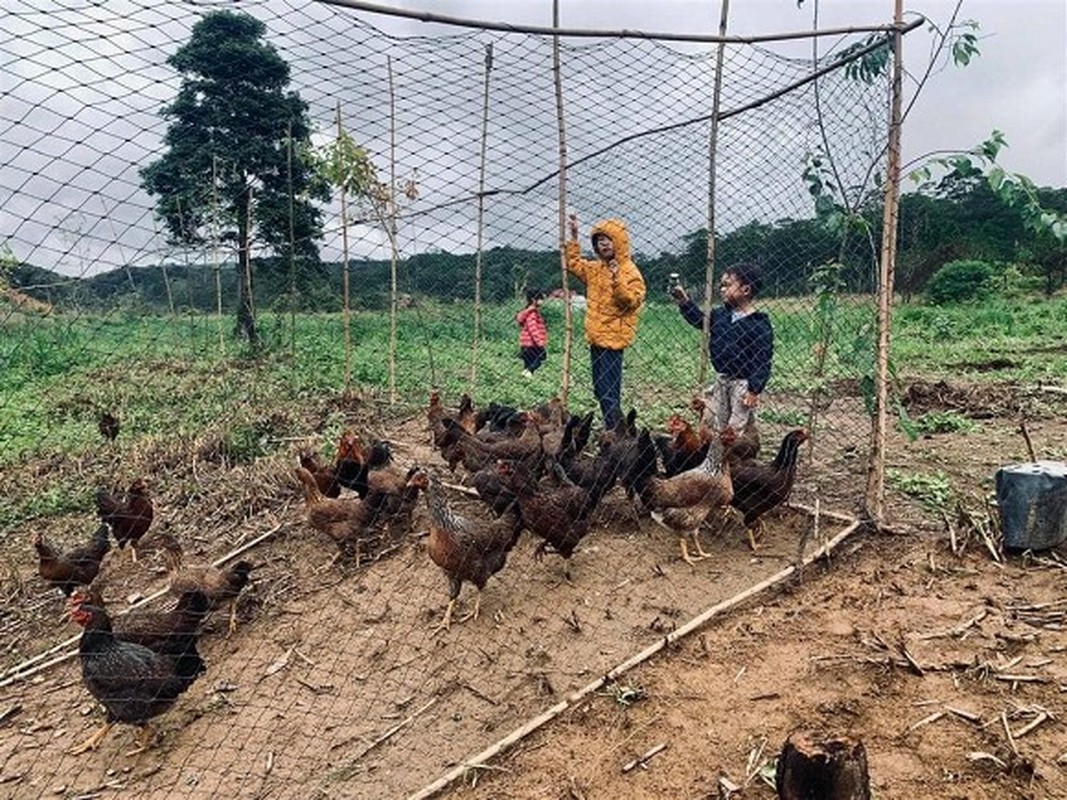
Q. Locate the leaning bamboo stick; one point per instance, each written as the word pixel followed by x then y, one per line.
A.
pixel 38 663
pixel 576 697
pixel 478 254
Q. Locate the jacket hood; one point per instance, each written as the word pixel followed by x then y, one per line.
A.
pixel 615 229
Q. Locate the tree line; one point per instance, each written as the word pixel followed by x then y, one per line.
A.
pixel 239 166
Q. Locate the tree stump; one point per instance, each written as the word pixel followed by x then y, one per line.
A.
pixel 815 767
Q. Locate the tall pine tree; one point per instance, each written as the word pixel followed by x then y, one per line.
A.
pixel 235 165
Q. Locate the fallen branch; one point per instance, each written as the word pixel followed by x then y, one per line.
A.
pixel 389 734
pixel 640 761
pixel 1025 729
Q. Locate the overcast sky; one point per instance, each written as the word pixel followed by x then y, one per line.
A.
pixel 83 84
pixel 1018 85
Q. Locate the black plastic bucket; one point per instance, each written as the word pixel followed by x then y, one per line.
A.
pixel 1032 497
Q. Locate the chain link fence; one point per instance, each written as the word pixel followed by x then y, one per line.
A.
pixel 226 343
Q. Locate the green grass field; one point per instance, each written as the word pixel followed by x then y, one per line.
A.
pixel 175 379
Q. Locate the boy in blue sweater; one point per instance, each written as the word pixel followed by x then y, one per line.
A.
pixel 741 347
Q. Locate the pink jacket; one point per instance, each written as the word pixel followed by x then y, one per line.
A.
pixel 532 330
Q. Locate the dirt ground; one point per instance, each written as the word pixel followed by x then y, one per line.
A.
pixel 950 666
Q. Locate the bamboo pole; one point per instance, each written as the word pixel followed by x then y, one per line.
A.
pixel 426 16
pixel 391 232
pixel 713 146
pixel 568 316
pixel 875 496
pixel 346 266
pixel 292 242
pixel 660 644
pixel 481 222
pixel 215 248
pixel 38 663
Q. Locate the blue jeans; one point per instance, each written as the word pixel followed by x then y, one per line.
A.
pixel 607 383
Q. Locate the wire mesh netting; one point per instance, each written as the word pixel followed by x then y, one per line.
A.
pixel 216 326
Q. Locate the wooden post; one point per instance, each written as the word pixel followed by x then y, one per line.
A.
pixel 815 767
pixel 713 146
pixel 875 495
pixel 391 232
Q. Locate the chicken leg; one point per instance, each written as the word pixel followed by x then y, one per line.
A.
pixel 701 553
pixel 754 532
pixel 477 609
pixel 446 623
pixel 93 741
pixel 144 740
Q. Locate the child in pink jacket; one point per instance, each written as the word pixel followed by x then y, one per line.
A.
pixel 533 335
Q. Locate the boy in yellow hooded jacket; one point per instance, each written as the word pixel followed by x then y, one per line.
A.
pixel 615 291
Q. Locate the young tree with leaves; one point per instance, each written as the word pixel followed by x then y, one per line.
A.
pixel 226 171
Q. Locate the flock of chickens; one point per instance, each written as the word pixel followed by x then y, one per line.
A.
pixel 138 665
pixel 530 467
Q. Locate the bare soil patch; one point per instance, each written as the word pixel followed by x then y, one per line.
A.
pixel 335 686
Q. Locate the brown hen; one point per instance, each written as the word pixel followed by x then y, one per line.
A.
pixel 466 549
pixel 682 502
pixel 75 567
pixel 343 519
pixel 760 487
pixel 219 584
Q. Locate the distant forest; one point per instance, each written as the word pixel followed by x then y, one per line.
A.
pixel 961 221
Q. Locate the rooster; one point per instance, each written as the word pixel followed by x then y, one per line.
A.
pixel 129 516
pixel 682 502
pixel 466 549
pixel 760 487
pixel 684 447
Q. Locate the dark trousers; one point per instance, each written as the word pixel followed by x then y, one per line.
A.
pixel 532 357
pixel 607 383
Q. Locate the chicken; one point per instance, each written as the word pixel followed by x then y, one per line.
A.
pixel 682 502
pixel 343 519
pixel 760 487
pixel 494 416
pixel 559 515
pixel 108 425
pixel 324 475
pixel 684 448
pixel 76 567
pixel 436 413
pixel 219 584
pixel 746 444
pixel 377 456
pixel 493 491
pixel 466 549
pixel 350 461
pixel 164 632
pixel 129 516
pixel 392 496
pixel 132 682
pixel 477 454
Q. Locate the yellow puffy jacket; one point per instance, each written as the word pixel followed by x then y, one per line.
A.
pixel 614 302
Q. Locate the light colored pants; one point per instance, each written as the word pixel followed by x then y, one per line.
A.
pixel 723 406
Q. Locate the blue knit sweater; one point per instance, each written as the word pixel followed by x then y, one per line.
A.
pixel 741 349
